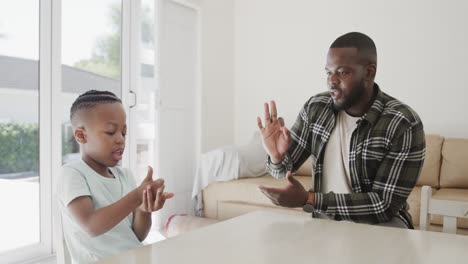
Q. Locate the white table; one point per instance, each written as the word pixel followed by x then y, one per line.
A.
pixel 266 237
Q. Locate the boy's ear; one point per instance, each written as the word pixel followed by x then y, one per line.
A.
pixel 80 135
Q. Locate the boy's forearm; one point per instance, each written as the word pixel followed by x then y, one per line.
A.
pixel 141 224
pixel 105 218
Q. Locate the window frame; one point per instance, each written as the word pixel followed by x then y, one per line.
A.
pixel 44 248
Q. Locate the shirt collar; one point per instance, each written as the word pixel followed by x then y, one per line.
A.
pixel 376 108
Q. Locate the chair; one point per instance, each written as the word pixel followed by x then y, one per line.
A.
pixel 61 250
pixel 449 209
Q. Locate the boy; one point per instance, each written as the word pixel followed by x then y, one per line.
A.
pixel 103 212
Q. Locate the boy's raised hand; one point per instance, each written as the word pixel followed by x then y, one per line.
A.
pixel 148 181
pixel 153 195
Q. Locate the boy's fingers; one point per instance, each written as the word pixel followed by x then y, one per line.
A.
pixel 160 198
pixel 150 199
pixel 158 183
pixel 144 201
pixel 149 175
pixel 161 191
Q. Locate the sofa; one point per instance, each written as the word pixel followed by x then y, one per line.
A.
pixel 445 170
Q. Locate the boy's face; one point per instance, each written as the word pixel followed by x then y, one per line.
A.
pixel 104 134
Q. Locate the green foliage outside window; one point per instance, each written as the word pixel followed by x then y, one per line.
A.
pixel 19 147
pixel 105 59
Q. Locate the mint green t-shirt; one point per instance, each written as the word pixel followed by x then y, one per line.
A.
pixel 78 179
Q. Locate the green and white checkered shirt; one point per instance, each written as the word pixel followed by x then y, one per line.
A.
pixel 385 160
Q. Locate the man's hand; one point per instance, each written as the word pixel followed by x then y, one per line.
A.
pixel 275 136
pixel 153 196
pixel 293 195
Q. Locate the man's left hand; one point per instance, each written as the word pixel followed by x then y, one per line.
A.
pixel 293 195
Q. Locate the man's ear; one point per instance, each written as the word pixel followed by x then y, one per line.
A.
pixel 371 70
pixel 80 135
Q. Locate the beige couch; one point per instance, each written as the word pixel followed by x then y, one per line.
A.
pixel 445 170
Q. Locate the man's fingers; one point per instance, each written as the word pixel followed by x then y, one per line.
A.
pixel 270 189
pixel 259 123
pixel 291 179
pixel 270 196
pixel 168 195
pixel 270 192
pixel 281 121
pixel 286 134
pixel 274 113
pixel 267 114
pixel 267 194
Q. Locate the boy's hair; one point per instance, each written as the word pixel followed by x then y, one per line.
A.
pixel 90 99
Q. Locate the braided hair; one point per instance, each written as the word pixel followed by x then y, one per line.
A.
pixel 90 99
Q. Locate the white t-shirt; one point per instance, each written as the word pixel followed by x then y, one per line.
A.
pixel 336 176
pixel 78 179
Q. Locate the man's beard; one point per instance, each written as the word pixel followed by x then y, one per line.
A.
pixel 353 98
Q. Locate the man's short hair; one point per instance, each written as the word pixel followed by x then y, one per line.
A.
pixel 364 44
pixel 90 99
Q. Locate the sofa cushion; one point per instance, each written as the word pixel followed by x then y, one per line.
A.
pixel 243 190
pixel 454 171
pixel 431 168
pixel 451 194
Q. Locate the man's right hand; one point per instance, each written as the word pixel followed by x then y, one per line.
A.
pixel 275 135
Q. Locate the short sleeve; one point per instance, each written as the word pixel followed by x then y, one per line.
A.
pixel 73 185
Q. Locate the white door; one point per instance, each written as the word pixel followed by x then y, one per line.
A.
pixel 178 137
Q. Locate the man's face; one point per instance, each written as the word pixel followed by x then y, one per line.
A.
pixel 105 134
pixel 345 77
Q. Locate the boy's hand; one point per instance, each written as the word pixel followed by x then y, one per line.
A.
pixel 151 204
pixel 148 181
pixel 152 192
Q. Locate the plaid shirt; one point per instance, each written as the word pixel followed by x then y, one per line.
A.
pixel 385 160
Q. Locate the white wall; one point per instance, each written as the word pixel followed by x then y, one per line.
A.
pixel 217 73
pixel 280 49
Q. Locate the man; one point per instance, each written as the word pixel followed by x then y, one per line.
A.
pixel 367 148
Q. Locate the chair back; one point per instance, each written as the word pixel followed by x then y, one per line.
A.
pixel 61 250
pixel 450 210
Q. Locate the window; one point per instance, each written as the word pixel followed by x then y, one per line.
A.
pixel 93 62
pixel 19 124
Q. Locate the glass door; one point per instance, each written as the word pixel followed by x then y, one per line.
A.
pixel 90 58
pixel 19 125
